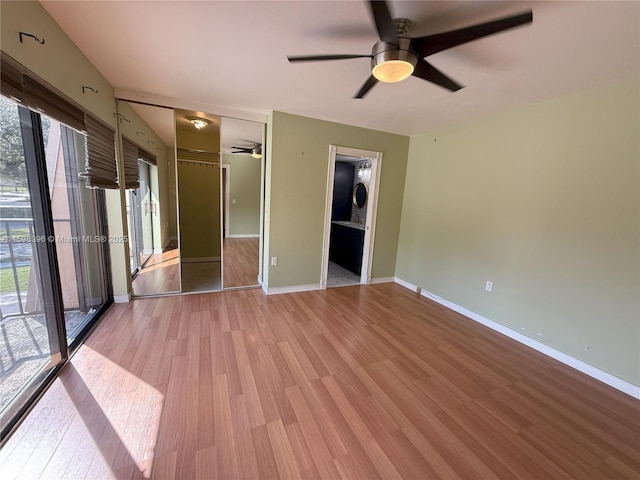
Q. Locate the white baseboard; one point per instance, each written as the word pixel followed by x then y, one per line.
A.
pixel 382 280
pixel 122 298
pixel 244 235
pixel 408 285
pixel 291 289
pixel 199 259
pixel 158 251
pixel 581 366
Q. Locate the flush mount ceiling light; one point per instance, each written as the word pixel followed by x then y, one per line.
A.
pixel 392 63
pixel 199 122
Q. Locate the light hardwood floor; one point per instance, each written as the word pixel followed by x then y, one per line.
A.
pixel 161 274
pixel 362 382
pixel 240 267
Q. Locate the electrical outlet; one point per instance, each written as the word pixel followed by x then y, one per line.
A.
pixel 489 286
pixel 418 290
pixel 233 201
pixel 586 348
pixel 274 261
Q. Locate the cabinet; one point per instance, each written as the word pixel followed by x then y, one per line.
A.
pixel 342 191
pixel 345 247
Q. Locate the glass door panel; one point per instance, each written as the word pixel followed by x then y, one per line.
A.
pixel 79 244
pixel 30 340
pixel 146 208
pixel 132 224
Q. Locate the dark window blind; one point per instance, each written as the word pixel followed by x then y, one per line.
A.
pixel 17 82
pixel 130 160
pixel 11 75
pixel 101 169
pixel 42 98
pixel 147 156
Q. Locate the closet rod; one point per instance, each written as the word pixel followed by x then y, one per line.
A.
pixel 216 164
pixel 191 150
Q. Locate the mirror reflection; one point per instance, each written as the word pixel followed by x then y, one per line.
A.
pixel 241 174
pixel 198 152
pixel 148 148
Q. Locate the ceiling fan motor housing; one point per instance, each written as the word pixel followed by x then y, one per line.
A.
pixel 384 52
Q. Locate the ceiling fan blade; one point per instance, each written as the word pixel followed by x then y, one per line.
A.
pixel 428 72
pixel 316 58
pixel 430 44
pixel 368 85
pixel 384 23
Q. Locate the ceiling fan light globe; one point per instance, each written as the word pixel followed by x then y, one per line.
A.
pixel 393 71
pixel 392 63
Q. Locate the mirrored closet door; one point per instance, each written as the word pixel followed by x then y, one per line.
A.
pixel 148 138
pixel 198 154
pixel 242 177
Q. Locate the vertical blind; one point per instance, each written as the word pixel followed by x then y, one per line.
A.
pixel 25 87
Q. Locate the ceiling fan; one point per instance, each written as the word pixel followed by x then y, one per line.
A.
pixel 255 150
pixel 397 55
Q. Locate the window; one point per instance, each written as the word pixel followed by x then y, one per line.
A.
pixel 54 267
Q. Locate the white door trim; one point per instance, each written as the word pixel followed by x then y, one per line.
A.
pixel 225 201
pixel 369 235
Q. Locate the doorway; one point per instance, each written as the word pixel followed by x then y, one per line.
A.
pixel 350 216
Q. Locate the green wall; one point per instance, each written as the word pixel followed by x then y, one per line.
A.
pixel 244 188
pixel 296 188
pixel 544 202
pixel 199 192
pixel 199 199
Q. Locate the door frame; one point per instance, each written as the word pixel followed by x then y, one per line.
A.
pixel 225 186
pixel 372 208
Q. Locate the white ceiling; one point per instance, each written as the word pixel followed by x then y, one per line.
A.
pixel 233 54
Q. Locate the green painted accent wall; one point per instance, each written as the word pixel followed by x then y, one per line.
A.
pixel 199 211
pixel 544 202
pixel 296 188
pixel 244 188
pixel 199 198
pixel 207 139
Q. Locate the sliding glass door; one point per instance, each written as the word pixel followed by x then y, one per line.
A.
pixel 30 345
pixel 53 264
pixel 76 224
pixel 140 211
